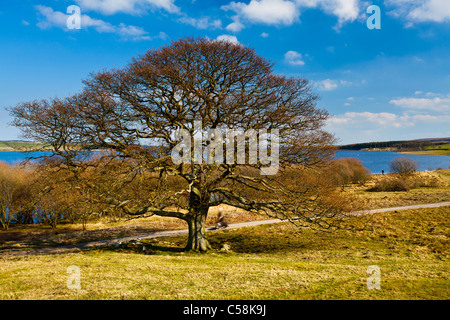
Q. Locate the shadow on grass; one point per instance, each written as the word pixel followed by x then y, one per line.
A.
pixel 261 239
pixel 256 243
pixel 145 248
pixel 156 248
pixel 53 238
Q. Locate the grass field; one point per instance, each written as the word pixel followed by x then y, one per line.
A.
pixel 277 261
pixel 264 262
pixel 442 149
pixel 436 189
pixel 17 146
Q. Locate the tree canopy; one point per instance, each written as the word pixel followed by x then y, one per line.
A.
pixel 198 90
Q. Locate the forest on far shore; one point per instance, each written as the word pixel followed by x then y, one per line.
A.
pixel 402 145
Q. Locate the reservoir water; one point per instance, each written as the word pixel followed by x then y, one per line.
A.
pixel 380 160
pixel 374 160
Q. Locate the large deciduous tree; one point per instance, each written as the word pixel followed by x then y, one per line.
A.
pixel 137 113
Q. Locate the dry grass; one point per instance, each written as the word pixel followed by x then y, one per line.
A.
pixel 443 149
pixel 427 187
pixel 266 262
pixel 22 237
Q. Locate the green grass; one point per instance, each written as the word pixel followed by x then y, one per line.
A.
pixel 266 262
pixel 10 146
pixel 439 147
pixel 442 149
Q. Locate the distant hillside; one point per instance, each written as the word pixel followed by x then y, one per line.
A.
pixel 426 145
pixel 11 145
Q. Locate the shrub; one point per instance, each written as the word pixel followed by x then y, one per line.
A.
pixel 404 165
pixel 424 181
pixel 390 184
pixel 349 170
pixel 14 192
pixel 396 182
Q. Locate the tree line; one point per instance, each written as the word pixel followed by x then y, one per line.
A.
pixel 405 145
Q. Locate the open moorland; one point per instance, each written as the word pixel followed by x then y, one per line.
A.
pixel 277 261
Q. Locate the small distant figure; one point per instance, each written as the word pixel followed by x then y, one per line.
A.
pixel 221 223
pixel 382 171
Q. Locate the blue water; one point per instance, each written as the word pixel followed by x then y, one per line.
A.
pixel 380 160
pixel 374 160
pixel 16 157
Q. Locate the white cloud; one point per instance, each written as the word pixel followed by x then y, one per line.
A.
pixel 271 12
pixel 326 85
pixel 434 104
pixel 357 121
pixel 382 126
pixel 235 26
pixel 202 23
pixel 367 119
pixel 228 38
pixel 264 35
pixel 287 12
pixel 135 33
pixel 420 11
pixel 50 18
pixel 344 10
pixel 432 10
pixel 426 117
pixel 109 7
pixel 294 58
pixel 330 84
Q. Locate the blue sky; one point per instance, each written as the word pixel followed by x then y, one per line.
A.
pixel 382 84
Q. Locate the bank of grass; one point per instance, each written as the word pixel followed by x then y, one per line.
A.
pixel 442 149
pixel 275 261
pixel 24 237
pixel 19 146
pixel 265 262
pixel 427 187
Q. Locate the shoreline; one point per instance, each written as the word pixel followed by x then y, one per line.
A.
pixel 430 153
pixel 7 149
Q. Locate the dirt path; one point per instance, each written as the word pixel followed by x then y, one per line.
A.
pixel 110 242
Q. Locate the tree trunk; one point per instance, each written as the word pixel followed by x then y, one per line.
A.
pixel 197 236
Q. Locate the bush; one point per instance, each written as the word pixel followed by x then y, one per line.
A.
pixel 349 170
pixel 424 181
pixel 15 190
pixel 390 184
pixel 404 165
pixel 398 182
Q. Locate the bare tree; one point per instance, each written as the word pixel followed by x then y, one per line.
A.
pixel 404 165
pixel 14 193
pixel 8 188
pixel 136 115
